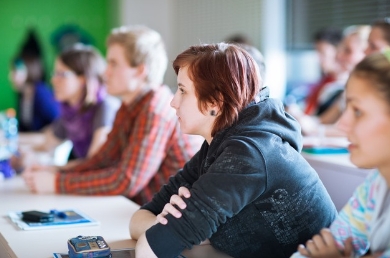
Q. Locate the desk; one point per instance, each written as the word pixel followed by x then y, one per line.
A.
pixel 338 174
pixel 113 212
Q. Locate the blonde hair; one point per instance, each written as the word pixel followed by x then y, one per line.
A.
pixel 361 31
pixel 142 46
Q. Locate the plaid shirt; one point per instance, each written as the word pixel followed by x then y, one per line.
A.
pixel 144 148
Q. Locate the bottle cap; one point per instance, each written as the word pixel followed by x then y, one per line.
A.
pixel 10 112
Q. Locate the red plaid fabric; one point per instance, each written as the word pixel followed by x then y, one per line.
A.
pixel 144 148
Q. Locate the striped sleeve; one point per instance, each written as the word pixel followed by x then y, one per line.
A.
pixel 353 219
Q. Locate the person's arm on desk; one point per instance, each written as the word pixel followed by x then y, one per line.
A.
pixel 143 219
pixel 40 179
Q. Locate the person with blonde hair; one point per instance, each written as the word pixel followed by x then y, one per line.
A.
pixel 145 146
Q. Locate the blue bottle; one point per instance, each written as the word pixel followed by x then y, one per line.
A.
pixel 9 142
pixel 10 128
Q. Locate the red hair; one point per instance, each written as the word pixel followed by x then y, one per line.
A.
pixel 223 74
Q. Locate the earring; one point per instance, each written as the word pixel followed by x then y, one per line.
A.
pixel 212 113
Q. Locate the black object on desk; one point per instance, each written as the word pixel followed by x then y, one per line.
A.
pixel 37 216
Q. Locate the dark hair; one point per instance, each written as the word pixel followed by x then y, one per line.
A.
pixel 238 39
pixel 34 66
pixel 30 57
pixel 375 68
pixel 88 62
pixel 384 25
pixel 223 74
pixel 330 35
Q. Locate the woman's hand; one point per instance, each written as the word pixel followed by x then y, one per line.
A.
pixel 169 208
pixel 323 246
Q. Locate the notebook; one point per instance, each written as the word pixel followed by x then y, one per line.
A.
pixel 73 218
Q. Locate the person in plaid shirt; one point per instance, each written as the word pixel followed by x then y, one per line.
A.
pixel 145 146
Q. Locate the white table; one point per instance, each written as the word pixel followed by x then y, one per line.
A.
pixel 113 212
pixel 338 174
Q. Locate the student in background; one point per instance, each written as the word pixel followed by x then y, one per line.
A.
pixel 145 146
pixel 37 107
pixel 87 112
pixel 248 192
pixel 379 37
pixel 326 42
pixel 363 224
pixel 350 51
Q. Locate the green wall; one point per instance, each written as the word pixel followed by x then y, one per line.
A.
pixel 96 17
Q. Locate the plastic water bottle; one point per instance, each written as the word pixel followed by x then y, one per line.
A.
pixel 10 129
pixel 8 142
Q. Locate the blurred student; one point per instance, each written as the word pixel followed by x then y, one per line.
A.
pixel 379 37
pixel 326 42
pixel 362 226
pixel 350 51
pixel 145 146
pixel 87 112
pixel 37 107
pixel 239 194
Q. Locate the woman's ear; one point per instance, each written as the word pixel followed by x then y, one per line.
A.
pixel 142 70
pixel 82 80
pixel 214 109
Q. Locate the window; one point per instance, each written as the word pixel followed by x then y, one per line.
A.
pixel 305 17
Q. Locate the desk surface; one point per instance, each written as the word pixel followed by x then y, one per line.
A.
pixel 338 174
pixel 113 212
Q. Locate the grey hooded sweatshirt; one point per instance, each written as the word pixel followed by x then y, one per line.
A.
pixel 252 193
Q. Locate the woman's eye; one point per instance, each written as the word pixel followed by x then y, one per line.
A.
pixel 357 112
pixel 181 90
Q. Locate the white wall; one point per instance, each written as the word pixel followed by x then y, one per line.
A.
pixel 183 23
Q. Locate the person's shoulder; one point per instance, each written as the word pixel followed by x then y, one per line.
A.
pixel 159 102
pixel 42 90
pixel 42 87
pixel 163 92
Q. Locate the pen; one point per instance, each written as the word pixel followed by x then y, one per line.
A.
pixel 59 214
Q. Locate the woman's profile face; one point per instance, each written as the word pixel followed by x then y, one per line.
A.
pixel 68 87
pixel 185 102
pixel 366 121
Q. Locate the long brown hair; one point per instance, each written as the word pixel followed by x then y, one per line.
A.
pixel 88 62
pixel 375 68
